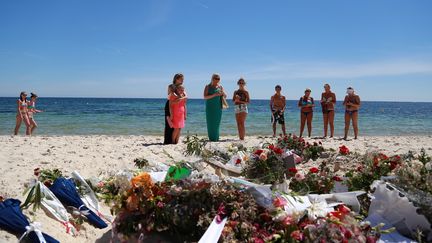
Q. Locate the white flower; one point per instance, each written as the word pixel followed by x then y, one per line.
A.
pixel 416 165
pixel 428 166
pixel 317 210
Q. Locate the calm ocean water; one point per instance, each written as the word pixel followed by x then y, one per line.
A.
pixel 83 116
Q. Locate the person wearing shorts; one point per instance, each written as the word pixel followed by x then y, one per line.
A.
pixel 277 107
pixel 241 100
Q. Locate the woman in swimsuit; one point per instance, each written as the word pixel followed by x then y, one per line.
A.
pixel 31 108
pixel 22 114
pixel 178 112
pixel 306 104
pixel 328 101
pixel 241 100
pixel 168 134
pixel 213 94
pixel 352 104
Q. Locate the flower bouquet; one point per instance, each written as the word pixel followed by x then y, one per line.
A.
pixel 267 165
pixel 300 147
pixel 373 168
pixel 319 180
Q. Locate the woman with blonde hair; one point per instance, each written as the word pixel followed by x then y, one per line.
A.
pixel 241 100
pixel 213 94
pixel 352 105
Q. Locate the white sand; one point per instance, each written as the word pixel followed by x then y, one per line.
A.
pixel 96 155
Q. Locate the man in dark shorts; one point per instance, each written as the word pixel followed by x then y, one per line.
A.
pixel 277 107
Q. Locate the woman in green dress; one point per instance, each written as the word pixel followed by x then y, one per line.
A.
pixel 213 94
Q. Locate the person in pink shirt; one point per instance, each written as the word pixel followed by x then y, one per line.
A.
pixel 178 112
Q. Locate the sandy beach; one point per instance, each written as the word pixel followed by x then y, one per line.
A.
pixel 99 155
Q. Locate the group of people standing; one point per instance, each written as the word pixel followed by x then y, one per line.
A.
pixel 25 113
pixel 215 98
pixel 306 105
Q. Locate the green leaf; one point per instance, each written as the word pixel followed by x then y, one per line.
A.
pixel 29 199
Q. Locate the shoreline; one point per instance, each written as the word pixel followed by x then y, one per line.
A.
pixel 100 155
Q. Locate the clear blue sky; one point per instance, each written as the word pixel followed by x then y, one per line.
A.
pixel 82 48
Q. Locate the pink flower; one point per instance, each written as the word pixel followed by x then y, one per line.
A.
pixel 160 204
pixel 297 235
pixel 100 184
pixel 279 202
pixel 299 176
pixel 221 213
pixel 314 170
pixel 297 159
pixel 263 156
pixel 288 221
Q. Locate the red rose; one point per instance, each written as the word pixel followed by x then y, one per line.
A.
pixel 37 171
pixel 371 239
pixel 48 183
pixel 259 152
pixel 271 146
pixel 313 170
pixel 238 161
pixel 292 170
pixel 359 168
pixel 348 234
pixel 337 178
pixel 343 209
pixel 376 161
pixel 343 150
pixel 278 150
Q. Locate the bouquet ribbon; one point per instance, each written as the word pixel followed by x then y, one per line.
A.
pixel 35 227
pixel 89 198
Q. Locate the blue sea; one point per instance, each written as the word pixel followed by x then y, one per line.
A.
pixel 88 116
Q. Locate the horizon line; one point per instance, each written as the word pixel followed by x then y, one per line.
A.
pixel 77 97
